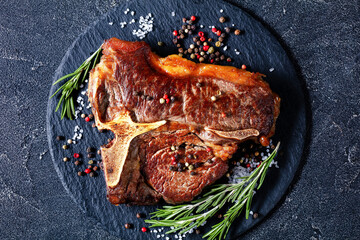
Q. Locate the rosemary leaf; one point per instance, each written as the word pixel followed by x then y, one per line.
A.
pixel 76 79
pixel 185 217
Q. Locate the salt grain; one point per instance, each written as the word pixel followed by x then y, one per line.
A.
pixel 111 23
pixel 221 10
pixel 132 13
pixel 173 14
pixel 225 48
pixel 271 69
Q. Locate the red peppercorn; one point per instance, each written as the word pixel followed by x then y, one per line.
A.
pixel 201 34
pixel 218 32
pixel 76 155
pixel 87 171
pixel 198 56
pixel 167 100
pixel 144 229
pixel 193 18
pixel 173 162
pixel 214 30
pixel 212 61
pixel 248 165
pixel 175 33
pixel 205 48
pixel 87 119
pixel 243 66
pixel 165 96
pixel 203 39
pixel 208 149
pixel 229 59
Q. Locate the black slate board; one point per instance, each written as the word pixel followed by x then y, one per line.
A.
pixel 259 50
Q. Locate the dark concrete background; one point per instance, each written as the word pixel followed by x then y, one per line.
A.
pixel 323 39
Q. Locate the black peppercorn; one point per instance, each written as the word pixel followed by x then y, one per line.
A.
pixel 172 168
pixel 193 27
pixel 255 215
pixel 89 149
pixel 222 57
pixel 227 29
pixel 172 99
pixel 192 173
pixel 91 116
pixel 175 41
pixel 178 45
pixel 198 164
pixel 196 50
pixel 217 59
pixel 195 39
pixel 190 32
pixel 190 22
pixel 59 138
pixel 189 50
pixel 217 53
pixel 77 162
pixel 181 31
pixel 223 35
pixel 212 56
pixel 139 215
pixel 91 155
pixel 180 169
pixel 92 174
pixel 221 39
pixel 188 27
pixel 222 19
pixel 80 174
pixel 183 27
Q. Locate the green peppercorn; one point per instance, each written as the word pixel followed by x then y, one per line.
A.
pixel 218 44
pixel 65 146
pixel 217 53
pixel 90 162
pixel 191 167
pixel 59 138
pixel 181 55
pixel 160 44
pixel 192 56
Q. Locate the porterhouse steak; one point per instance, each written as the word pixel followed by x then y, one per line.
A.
pixel 176 123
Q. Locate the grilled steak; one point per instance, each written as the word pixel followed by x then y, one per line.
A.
pixel 208 110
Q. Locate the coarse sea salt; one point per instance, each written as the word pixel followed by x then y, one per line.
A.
pixel 145 26
pixel 271 69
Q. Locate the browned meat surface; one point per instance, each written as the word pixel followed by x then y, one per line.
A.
pixel 210 109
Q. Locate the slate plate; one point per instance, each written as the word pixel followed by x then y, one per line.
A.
pixel 258 49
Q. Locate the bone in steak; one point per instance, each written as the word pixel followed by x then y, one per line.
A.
pixel 172 149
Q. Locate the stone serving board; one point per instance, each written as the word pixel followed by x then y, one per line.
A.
pixel 259 50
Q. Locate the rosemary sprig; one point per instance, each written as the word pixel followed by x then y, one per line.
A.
pixel 76 79
pixel 184 217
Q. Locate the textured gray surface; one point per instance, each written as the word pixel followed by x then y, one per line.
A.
pixel 323 39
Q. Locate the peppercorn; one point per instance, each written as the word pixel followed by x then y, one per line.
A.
pixel 198 43
pixel 180 169
pixel 191 167
pixel 243 66
pixel 203 39
pixel 91 116
pixel 181 55
pixel 77 162
pixel 175 41
pixel 237 32
pixel 197 231
pixel 198 85
pixel 180 50
pixel 186 30
pixel 217 53
pixel 184 20
pixel 193 27
pixel 92 174
pixel 175 33
pixel 190 22
pixel 189 50
pixel 80 174
pixel 178 45
pixel 76 155
pixel 83 115
pixel 139 215
pixel 255 215
pixel 127 225
pixel 217 59
pixel 90 162
pixel 222 57
pixel 172 168
pixel 182 36
pixel 172 99
pixel 66 159
pixel 201 34
pixel 193 18
pixel 87 119
pixel 59 138
pixel 183 27
pixel 144 229
pixel 95 168
pixel 196 50
pixel 205 47
pixel 223 114
pixel 192 173
pixel 222 19
pixel 201 59
pixel 88 170
pixel 221 39
pixel 212 55
pixel 89 166
pixel 195 39
pixel 99 152
pixel 65 146
pixel 227 29
pixel 228 59
pixel 192 56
